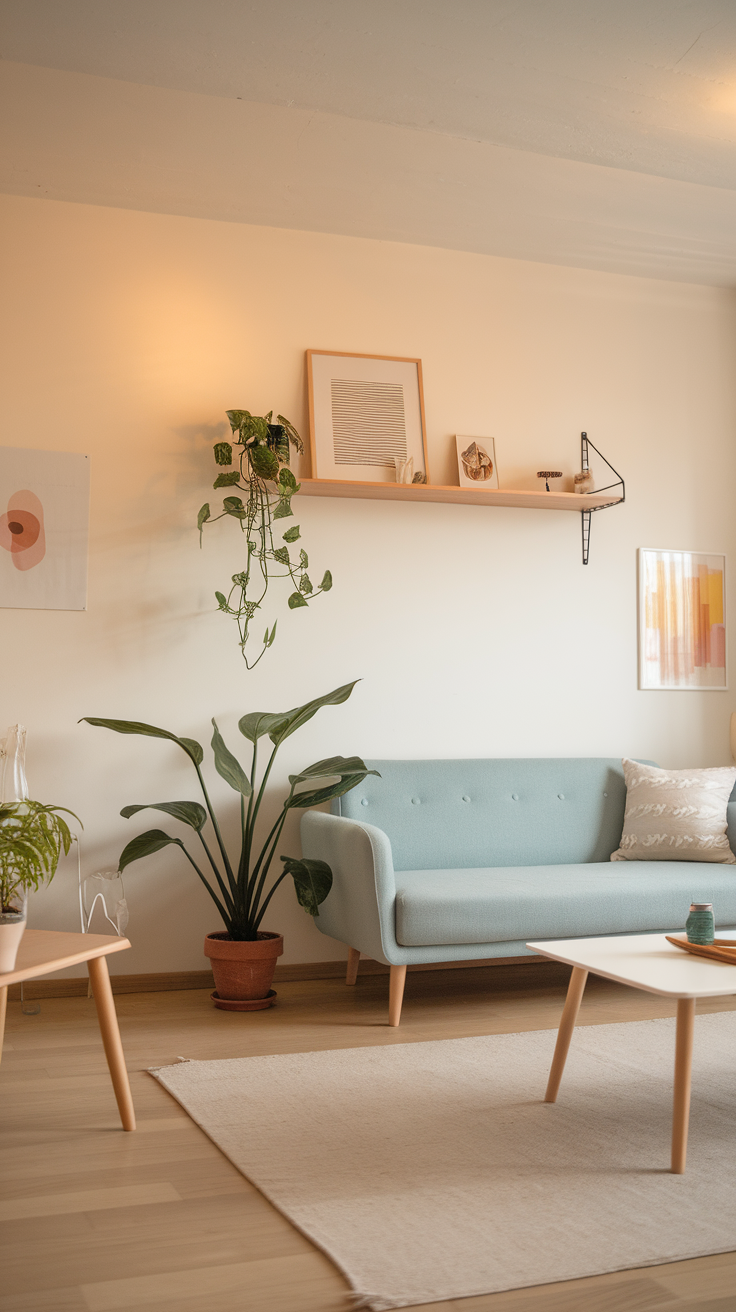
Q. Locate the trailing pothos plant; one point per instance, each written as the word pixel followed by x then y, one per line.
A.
pixel 239 885
pixel 262 473
pixel 33 838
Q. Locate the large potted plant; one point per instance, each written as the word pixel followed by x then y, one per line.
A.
pixel 33 838
pixel 259 468
pixel 241 886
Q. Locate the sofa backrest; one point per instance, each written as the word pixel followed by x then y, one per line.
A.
pixel 444 814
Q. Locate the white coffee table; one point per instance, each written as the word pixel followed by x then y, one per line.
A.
pixel 648 962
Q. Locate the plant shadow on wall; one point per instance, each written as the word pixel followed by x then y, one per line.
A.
pixel 244 956
pixel 264 476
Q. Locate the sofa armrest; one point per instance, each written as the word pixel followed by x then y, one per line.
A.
pixel 360 908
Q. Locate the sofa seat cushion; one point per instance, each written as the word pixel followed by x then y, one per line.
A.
pixel 506 903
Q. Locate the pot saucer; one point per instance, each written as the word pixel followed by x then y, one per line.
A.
pixel 244 1004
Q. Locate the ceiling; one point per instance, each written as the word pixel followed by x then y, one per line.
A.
pixel 581 132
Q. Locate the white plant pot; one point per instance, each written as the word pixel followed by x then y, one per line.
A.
pixel 12 929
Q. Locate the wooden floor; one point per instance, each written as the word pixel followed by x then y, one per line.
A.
pixel 93 1219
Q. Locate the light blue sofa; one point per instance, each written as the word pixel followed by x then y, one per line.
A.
pixel 461 860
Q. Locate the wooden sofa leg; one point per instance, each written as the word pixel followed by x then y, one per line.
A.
pixel 353 959
pixel 397 980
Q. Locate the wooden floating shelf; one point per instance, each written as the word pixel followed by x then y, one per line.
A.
pixel 464 496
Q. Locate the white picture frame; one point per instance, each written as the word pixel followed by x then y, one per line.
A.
pixel 485 448
pixel 365 411
pixel 682 621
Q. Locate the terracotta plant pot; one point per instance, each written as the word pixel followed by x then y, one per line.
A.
pixel 243 971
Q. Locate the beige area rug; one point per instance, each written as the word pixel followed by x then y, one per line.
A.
pixel 432 1171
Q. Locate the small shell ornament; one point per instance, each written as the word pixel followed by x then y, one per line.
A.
pixel 584 481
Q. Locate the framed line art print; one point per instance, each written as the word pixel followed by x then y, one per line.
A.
pixel 682 620
pixel 366 412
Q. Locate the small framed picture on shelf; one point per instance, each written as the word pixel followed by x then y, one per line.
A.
pixel 366 417
pixel 476 462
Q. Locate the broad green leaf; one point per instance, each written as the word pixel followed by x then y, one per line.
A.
pixel 281 554
pixel 269 641
pixel 293 720
pixel 348 772
pixel 231 479
pixel 315 796
pixel 286 479
pixel 295 600
pixel 192 748
pixel 333 765
pixel 190 813
pixel 203 515
pixel 264 463
pixel 144 845
pixel 234 506
pixel 236 418
pixel 294 437
pixel 283 509
pixel 258 723
pixel 303 559
pixel 223 453
pixel 292 534
pixel 326 583
pixel 221 600
pixel 228 766
pixel 312 881
pixel 305 584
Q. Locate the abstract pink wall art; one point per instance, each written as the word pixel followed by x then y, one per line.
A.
pixel 21 530
pixel 43 531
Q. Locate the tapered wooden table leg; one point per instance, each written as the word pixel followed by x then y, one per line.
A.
pixel 683 1068
pixel 397 980
pixel 575 990
pixel 111 1041
pixel 3 1009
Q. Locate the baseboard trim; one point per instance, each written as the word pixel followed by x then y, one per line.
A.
pixel 167 981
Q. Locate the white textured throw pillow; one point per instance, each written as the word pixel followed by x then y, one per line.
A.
pixel 676 815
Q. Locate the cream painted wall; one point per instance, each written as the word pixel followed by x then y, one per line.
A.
pixel 475 631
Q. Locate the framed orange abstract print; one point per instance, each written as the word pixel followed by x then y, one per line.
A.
pixel 682 620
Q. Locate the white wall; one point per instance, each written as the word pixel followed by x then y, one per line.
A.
pixel 476 631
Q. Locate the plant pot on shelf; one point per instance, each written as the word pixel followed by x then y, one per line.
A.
pixel 12 929
pixel 243 970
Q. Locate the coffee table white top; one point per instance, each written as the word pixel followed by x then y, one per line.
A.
pixel 645 961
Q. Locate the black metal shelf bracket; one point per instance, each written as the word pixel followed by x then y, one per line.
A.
pixel 585 447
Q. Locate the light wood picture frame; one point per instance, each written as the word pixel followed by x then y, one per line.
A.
pixel 682 620
pixel 365 411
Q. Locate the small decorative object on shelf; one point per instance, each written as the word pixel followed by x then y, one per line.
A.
pixel 584 482
pixel 476 462
pixel 547 474
pixel 419 477
pixel 404 469
pixel 700 925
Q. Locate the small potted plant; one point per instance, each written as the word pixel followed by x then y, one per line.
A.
pixel 244 955
pixel 33 838
pixel 259 468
